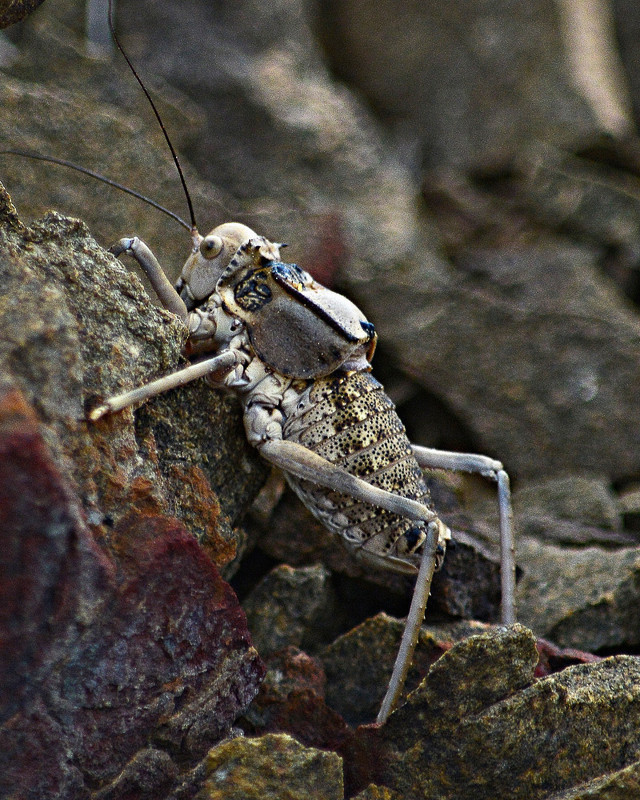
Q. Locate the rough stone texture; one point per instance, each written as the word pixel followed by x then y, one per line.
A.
pixel 373 792
pixel 286 605
pixel 627 26
pixel 586 598
pixel 78 327
pixel 292 700
pixel 536 300
pixel 115 671
pixel 551 658
pixel 571 510
pixel 12 11
pixel 620 785
pixel 359 664
pixel 572 497
pixel 481 727
pixel 272 766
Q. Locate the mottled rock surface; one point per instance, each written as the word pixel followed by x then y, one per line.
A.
pixel 126 655
pixel 272 766
pixel 12 11
pixel 77 327
pixel 359 663
pixel 424 66
pixel 292 700
pixel 286 605
pixel 584 598
pixel 481 726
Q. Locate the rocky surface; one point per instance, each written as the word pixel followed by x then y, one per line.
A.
pixel 481 726
pixel 273 766
pixel 475 197
pixel 12 11
pixel 116 669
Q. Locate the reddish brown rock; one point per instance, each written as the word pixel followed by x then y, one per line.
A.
pixel 291 700
pixel 105 657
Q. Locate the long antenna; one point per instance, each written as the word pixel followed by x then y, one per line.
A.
pixel 99 177
pixel 174 155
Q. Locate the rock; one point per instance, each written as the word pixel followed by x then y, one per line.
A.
pixel 478 727
pixel 620 785
pixel 554 659
pixel 467 585
pixel 12 11
pixel 627 26
pixel 373 792
pixel 573 497
pixel 286 606
pixel 106 654
pixel 590 195
pixel 424 69
pixel 359 664
pixel 572 510
pixel 272 766
pixel 551 658
pixel 586 598
pixel 594 339
pixel 150 773
pixel 79 327
pixel 291 700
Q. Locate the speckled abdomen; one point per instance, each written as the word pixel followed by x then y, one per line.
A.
pixel 349 420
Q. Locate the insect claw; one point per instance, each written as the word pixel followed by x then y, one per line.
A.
pixel 98 412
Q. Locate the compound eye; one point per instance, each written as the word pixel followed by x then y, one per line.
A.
pixel 211 246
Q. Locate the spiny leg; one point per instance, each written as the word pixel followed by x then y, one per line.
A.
pixel 413 623
pixel 490 468
pixel 298 460
pixel 218 367
pixel 304 463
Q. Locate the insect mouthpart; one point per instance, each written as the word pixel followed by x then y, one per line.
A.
pixel 185 294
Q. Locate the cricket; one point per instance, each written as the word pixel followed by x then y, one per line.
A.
pixel 298 356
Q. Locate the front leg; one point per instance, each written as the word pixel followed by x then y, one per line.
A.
pixel 217 367
pixel 149 264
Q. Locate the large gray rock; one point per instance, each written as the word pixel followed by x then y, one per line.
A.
pixel 463 82
pixel 586 598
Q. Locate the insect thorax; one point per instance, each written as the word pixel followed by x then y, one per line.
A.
pixel 349 420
